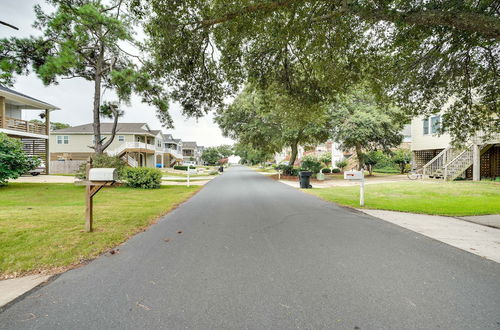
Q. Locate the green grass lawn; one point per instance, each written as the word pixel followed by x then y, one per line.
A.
pixel 41 225
pixel 442 198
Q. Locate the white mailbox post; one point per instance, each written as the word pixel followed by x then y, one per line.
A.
pixel 190 171
pixel 357 176
pixel 96 179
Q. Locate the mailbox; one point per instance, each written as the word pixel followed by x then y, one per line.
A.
pixel 353 175
pixel 103 174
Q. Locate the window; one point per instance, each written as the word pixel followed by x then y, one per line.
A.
pixel 121 138
pixel 435 124
pixel 62 139
pixel 426 126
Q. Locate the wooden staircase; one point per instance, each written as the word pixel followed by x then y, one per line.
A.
pixel 450 163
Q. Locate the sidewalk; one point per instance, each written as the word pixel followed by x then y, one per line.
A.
pixel 13 288
pixel 471 237
pixel 45 179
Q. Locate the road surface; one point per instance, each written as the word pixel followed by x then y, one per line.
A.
pixel 258 254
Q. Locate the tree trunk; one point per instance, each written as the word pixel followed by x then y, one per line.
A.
pixel 293 156
pixel 97 103
pixel 361 158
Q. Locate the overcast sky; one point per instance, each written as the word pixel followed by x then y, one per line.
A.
pixel 74 96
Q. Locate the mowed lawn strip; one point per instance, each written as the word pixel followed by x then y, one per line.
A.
pixel 41 225
pixel 439 198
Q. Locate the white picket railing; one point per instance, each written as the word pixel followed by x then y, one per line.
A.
pixel 132 162
pixel 130 145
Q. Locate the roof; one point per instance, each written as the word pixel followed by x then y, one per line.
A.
pixel 25 101
pixel 188 144
pixel 137 128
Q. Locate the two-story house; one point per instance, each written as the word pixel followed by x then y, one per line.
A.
pixel 35 136
pixel 435 157
pixel 135 143
pixel 191 153
pixel 173 148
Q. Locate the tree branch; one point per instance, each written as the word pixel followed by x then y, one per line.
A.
pixel 485 25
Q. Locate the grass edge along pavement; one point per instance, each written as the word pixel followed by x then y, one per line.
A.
pixel 458 198
pixel 41 224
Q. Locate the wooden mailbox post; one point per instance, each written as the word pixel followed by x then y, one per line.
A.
pixel 97 178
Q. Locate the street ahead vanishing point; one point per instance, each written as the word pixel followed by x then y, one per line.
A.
pixel 249 252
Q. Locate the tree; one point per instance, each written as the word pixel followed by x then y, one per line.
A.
pixel 211 155
pixel 326 158
pixel 13 161
pixel 402 157
pixel 269 120
pixel 53 125
pixel 372 158
pixel 424 55
pixel 311 163
pixel 83 39
pixel 362 124
pixel 341 164
pixel 251 156
pixel 225 150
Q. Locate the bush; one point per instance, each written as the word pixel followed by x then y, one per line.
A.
pixel 183 167
pixel 326 170
pixel 341 164
pixel 142 177
pixel 336 170
pixel 102 161
pixel 295 171
pixel 13 161
pixel 311 163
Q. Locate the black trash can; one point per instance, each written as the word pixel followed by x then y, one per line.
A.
pixel 221 169
pixel 304 177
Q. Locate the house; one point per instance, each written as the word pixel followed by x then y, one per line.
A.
pixel 34 136
pixel 435 157
pixel 173 147
pixel 135 143
pixel 191 153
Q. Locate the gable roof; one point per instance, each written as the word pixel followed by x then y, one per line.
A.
pixel 25 101
pixel 134 128
pixel 189 145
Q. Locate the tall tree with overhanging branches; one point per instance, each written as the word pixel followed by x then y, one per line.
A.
pixel 424 54
pixel 89 40
pixel 364 124
pixel 270 120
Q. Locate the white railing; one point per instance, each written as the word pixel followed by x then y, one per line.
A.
pixel 130 145
pixel 173 152
pixel 437 164
pixel 132 162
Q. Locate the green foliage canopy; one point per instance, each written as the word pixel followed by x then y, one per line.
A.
pixel 422 54
pixel 86 39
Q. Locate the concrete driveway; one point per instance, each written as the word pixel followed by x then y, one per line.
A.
pixel 248 252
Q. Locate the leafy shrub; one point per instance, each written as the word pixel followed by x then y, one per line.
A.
pixel 183 167
pixel 295 171
pixel 311 163
pixel 142 177
pixel 102 161
pixel 336 170
pixel 402 157
pixel 341 164
pixel 13 161
pixel 326 170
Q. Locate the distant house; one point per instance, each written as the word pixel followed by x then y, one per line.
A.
pixel 191 153
pixel 436 158
pixel 135 143
pixel 34 136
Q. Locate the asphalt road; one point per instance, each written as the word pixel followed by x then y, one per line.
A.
pixel 257 254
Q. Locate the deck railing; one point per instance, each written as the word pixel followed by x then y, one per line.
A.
pixel 24 126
